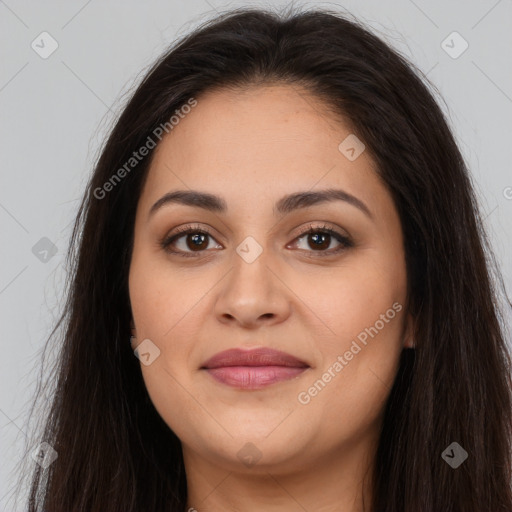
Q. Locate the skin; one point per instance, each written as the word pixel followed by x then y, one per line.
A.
pixel 251 147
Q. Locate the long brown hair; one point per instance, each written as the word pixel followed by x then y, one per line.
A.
pixel 115 453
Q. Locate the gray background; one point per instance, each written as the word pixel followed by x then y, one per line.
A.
pixel 56 112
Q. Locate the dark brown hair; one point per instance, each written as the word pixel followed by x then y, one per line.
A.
pixel 115 453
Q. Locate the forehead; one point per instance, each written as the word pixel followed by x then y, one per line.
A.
pixel 256 144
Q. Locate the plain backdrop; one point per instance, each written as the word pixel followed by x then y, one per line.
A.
pixel 56 111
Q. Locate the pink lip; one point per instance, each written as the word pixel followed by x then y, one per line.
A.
pixel 253 369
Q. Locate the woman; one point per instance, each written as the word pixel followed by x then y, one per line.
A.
pixel 282 229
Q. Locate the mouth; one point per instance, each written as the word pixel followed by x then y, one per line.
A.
pixel 253 369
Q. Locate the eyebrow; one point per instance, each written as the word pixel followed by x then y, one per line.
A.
pixel 285 205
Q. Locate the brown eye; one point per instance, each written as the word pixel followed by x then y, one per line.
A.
pixel 319 240
pixel 188 240
pixel 196 241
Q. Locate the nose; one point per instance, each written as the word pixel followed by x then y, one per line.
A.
pixel 253 295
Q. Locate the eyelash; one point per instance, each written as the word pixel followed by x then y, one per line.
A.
pixel 345 241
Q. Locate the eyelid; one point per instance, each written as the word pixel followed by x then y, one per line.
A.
pixel 324 226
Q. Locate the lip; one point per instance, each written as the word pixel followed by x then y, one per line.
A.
pixel 253 369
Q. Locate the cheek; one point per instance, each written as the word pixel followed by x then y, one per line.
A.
pixel 161 298
pixel 346 301
pixel 362 312
pixel 164 305
pixel 161 315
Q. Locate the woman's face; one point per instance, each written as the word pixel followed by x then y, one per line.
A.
pixel 247 277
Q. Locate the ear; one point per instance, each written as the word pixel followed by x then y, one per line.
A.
pixel 409 332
